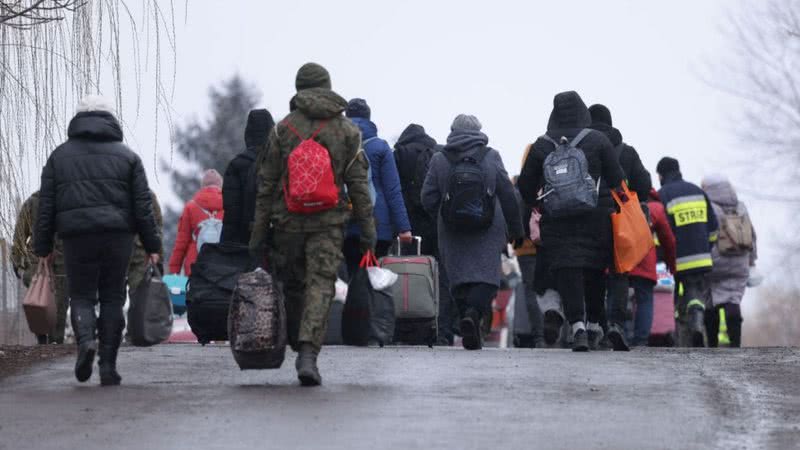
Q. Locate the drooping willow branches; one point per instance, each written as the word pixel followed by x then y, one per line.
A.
pixel 52 53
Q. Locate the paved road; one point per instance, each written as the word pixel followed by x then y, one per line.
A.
pixel 188 397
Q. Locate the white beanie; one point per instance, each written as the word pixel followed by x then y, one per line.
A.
pixel 94 102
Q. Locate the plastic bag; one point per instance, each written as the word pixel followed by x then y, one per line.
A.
pixel 40 300
pixel 341 290
pixel 380 278
pixel 536 233
pixel 755 278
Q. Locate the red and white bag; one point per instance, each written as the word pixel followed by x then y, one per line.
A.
pixel 310 185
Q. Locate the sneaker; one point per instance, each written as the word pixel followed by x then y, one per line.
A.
pixel 470 331
pixel 595 335
pixel 552 326
pixel 617 339
pixel 581 341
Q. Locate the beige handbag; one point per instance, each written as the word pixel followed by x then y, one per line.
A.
pixel 40 300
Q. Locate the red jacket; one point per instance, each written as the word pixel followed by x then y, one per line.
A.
pixel 185 250
pixel 660 225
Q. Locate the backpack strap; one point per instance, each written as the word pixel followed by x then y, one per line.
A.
pixel 549 139
pixel 363 143
pixel 209 214
pixel 297 133
pixel 584 132
pixel 454 158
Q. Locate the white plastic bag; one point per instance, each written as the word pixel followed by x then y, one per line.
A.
pixel 341 291
pixel 755 278
pixel 380 278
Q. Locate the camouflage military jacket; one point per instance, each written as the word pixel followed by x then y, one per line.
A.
pixel 313 108
pixel 22 255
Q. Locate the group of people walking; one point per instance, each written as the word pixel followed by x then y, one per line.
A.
pixel 320 188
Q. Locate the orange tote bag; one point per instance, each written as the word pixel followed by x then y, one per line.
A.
pixel 632 236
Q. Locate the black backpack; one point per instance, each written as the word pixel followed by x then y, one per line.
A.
pixel 468 203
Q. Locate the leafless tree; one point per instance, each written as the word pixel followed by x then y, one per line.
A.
pixel 53 52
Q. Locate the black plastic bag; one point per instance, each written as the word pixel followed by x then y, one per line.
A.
pixel 357 308
pixel 150 311
pixel 382 318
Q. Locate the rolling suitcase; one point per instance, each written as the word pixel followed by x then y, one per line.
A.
pixel 210 288
pixel 415 296
pixel 663 329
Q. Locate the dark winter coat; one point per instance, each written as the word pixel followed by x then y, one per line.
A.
pixel 390 210
pixel 239 197
pixel 93 183
pixel 693 222
pixel 473 257
pixel 582 241
pixel 414 144
pixel 637 176
pixel 239 186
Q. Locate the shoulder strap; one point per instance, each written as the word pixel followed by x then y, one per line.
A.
pixel 549 139
pixel 584 132
pixel 297 133
pixel 208 213
pixel 369 140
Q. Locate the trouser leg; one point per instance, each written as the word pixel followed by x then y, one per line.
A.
pixel 382 248
pixel 617 298
pixel 62 304
pixel 351 249
pixel 111 289
pixel 712 326
pixel 733 318
pixel 528 267
pixel 594 294
pixel 320 281
pixel 571 289
pixel 643 322
pixel 83 272
pixel 287 259
pixel 447 309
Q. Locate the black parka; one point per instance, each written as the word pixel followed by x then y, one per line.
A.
pixel 582 241
pixel 93 183
pixel 638 177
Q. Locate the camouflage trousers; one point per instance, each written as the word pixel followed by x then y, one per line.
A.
pixel 305 265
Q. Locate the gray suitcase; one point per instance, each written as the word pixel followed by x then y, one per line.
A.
pixel 415 295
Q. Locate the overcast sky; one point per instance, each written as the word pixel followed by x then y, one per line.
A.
pixel 503 61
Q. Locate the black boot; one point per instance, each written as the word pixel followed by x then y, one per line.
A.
pixel 83 324
pixel 306 364
pixel 110 340
pixel 470 327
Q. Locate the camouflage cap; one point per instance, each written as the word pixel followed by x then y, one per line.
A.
pixel 312 75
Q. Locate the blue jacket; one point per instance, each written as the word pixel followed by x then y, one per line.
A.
pixel 390 210
pixel 693 222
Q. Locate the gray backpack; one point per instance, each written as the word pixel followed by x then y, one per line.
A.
pixel 569 189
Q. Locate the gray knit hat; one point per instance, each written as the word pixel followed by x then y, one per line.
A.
pixel 312 75
pixel 466 122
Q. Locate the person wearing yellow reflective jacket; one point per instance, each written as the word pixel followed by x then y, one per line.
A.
pixel 695 226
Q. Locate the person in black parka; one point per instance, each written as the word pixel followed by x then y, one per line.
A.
pixel 639 181
pixel 579 247
pixel 94 194
pixel 239 185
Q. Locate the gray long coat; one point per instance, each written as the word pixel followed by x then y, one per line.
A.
pixel 729 276
pixel 473 257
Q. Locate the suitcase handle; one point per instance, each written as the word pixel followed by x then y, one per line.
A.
pixel 416 239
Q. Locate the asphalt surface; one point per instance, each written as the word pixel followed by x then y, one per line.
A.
pixel 189 397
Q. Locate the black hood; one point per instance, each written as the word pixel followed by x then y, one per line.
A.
pixel 259 124
pixel 95 126
pixel 415 134
pixel 569 111
pixel 612 133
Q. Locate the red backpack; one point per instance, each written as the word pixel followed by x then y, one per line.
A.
pixel 310 185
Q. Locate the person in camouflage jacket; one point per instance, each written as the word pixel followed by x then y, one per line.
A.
pixel 305 249
pixel 25 263
pixel 140 259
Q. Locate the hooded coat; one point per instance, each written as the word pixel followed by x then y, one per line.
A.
pixel 413 145
pixel 389 209
pixel 730 273
pixel 92 184
pixel 472 257
pixel 185 250
pixel 239 186
pixel 638 177
pixel 585 240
